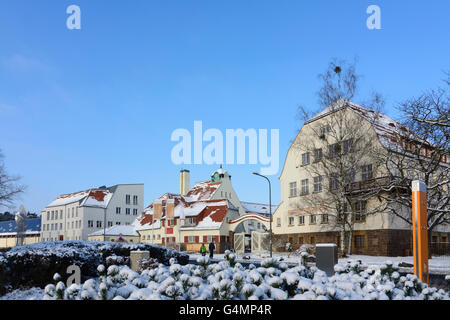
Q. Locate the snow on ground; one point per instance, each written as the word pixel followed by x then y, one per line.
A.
pixel 25 294
pixel 437 264
pixel 229 280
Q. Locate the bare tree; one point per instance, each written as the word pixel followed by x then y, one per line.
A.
pixel 432 108
pixel 339 148
pixel 421 152
pixel 10 188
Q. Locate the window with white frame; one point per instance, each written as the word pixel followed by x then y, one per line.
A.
pixel 360 210
pixel 305 158
pixel 127 199
pixel 318 184
pixel 291 221
pixel 312 219
pixel 366 172
pixel 348 145
pixel 135 200
pixel 293 189
pixel 301 220
pixel 305 187
pixel 318 155
pixel 334 181
pixel 127 211
pixel 90 223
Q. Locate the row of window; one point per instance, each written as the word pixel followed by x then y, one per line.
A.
pixel 227 194
pixel 76 225
pixel 127 211
pixel 187 239
pixel 55 215
pixel 57 239
pixel 333 150
pixel 301 219
pixel 359 208
pixel 359 240
pixel 59 226
pixel 128 199
pixel 366 174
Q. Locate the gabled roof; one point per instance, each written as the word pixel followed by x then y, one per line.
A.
pixel 202 190
pixel 209 213
pixel 87 198
pixel 31 226
pixel 387 129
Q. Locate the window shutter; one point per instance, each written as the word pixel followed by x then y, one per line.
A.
pixel 196 239
pixel 216 239
pixel 205 239
pixel 174 222
pixel 186 240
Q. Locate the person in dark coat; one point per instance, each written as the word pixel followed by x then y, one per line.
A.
pixel 212 247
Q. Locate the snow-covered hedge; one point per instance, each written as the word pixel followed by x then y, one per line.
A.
pixel 34 265
pixel 222 281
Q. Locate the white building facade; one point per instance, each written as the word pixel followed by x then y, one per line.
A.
pixel 76 215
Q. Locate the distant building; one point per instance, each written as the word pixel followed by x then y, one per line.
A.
pixel 116 233
pixel 197 215
pixel 76 215
pixel 8 232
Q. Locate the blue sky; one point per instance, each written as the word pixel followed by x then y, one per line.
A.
pixel 97 106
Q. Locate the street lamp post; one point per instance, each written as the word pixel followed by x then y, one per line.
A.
pixel 270 208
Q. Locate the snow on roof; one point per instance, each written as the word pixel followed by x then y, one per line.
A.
pixel 202 191
pixel 214 209
pixel 251 207
pixel 97 198
pixel 87 198
pixel 386 128
pixel 31 226
pixel 212 216
pixel 116 231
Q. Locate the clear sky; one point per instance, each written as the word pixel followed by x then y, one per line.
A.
pixel 97 106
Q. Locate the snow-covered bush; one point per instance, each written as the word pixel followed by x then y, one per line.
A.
pixel 273 280
pixel 35 264
pixel 117 260
pixel 230 257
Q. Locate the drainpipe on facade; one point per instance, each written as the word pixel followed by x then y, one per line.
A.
pixel 104 226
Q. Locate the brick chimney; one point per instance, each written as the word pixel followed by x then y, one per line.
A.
pixel 157 208
pixel 184 182
pixel 170 205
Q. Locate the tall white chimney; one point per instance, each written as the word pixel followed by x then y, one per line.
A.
pixel 184 182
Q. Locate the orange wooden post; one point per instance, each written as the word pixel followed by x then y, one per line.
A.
pixel 420 230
